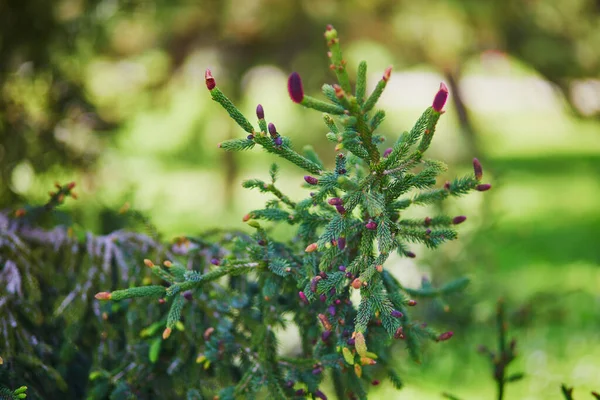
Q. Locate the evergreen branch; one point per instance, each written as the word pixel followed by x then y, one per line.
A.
pixel 361 82
pixel 231 109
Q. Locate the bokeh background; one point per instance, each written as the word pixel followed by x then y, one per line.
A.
pixel 110 94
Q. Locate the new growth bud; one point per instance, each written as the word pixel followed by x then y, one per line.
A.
pixel 311 247
pixel 478 169
pixel 260 112
pixel 445 336
pixel 303 297
pixel 209 80
pixel 440 98
pixel 399 334
pixel 311 180
pixel 167 333
pixel 459 219
pixel 371 225
pixel 483 187
pixel 335 201
pixel 340 209
pixel 103 296
pixel 357 283
pixel 339 92
pixel 396 314
pixel 387 73
pixel 341 242
pixel 272 129
pixel 295 89
pixel 387 152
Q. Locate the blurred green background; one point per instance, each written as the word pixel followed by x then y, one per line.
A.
pixel 110 94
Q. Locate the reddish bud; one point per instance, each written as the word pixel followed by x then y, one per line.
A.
pixel 246 217
pixel 260 112
pixel 335 201
pixel 357 283
pixel 311 180
pixel 148 263
pixel 478 169
pixel 325 322
pixel 295 89
pixel 387 152
pixel 399 334
pixel 412 303
pixel 371 225
pixel 483 187
pixel 209 80
pixel 379 268
pixel 331 310
pixel 188 295
pixel 387 73
pixel 311 247
pixel 303 297
pixel 445 336
pixel 459 219
pixel 410 254
pixel 215 261
pixel 323 298
pixel 447 185
pixel 314 282
pixel 374 382
pixel 272 129
pixel 208 332
pixel 341 243
pixel 278 141
pixel 71 185
pixel 103 296
pixel 396 314
pixel 342 268
pixel 339 92
pixel 440 98
pixel 20 212
pixel 166 333
pixel 340 209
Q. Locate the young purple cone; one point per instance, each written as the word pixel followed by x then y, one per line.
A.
pixel 303 297
pixel 371 225
pixel 272 129
pixel 440 98
pixel 295 87
pixel 459 219
pixel 341 243
pixel 209 80
pixel 311 180
pixel 387 152
pixel 260 112
pixel 445 336
pixel 483 187
pixel 478 169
